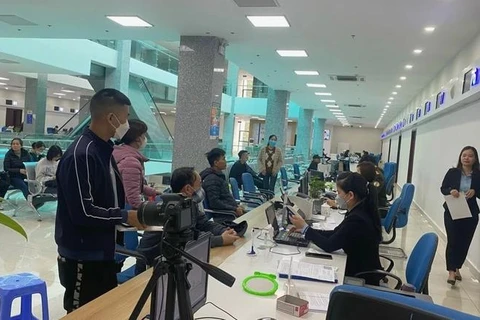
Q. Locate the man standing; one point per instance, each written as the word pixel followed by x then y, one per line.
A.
pixel 240 167
pixel 90 202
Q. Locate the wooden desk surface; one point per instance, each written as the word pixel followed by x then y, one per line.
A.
pixel 119 302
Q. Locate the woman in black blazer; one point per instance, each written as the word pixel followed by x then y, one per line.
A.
pixel 462 181
pixel 14 165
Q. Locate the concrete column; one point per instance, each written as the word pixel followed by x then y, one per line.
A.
pixel 35 104
pixel 201 76
pixel 118 78
pixel 276 119
pixel 304 133
pixel 85 112
pixel 318 128
pixel 229 118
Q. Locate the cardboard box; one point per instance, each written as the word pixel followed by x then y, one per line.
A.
pixel 292 305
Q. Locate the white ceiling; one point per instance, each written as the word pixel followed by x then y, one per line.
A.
pixel 386 32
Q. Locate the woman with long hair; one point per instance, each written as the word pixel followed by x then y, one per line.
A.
pixel 462 181
pixel 14 165
pixel 270 160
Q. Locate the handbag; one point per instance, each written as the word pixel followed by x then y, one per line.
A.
pixel 5 177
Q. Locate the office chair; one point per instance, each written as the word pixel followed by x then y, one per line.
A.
pixel 37 197
pixel 386 305
pixel 284 179
pixel 249 188
pixel 251 202
pixel 407 195
pixel 418 266
pixel 218 215
pixel 390 188
pixel 296 171
pixel 390 221
pixel 129 249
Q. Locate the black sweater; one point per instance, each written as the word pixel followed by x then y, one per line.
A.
pixel 238 169
pixel 452 182
pixel 358 237
pixel 13 163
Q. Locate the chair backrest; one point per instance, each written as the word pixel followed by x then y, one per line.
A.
pixel 235 189
pixel 34 187
pixel 248 183
pixel 30 167
pixel 389 170
pixel 390 219
pixel 420 261
pixel 296 171
pixel 284 177
pixel 390 184
pixel 408 192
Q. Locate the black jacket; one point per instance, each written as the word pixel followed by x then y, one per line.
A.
pixel 87 210
pixel 36 157
pixel 382 188
pixel 452 182
pixel 238 169
pixel 217 190
pixel 13 163
pixel 313 166
pixel 358 237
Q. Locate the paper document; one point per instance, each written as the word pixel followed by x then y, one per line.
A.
pixel 316 301
pixel 458 207
pixel 306 271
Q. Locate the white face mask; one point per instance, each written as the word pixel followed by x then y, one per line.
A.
pixel 121 130
pixel 144 143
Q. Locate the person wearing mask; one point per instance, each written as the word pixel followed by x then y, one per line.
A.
pixel 90 203
pixel 189 183
pixel 130 162
pixel 240 167
pixel 13 163
pixel 215 184
pixel 359 234
pixel 37 151
pixel 46 169
pixel 462 181
pixel 270 160
pixel 314 164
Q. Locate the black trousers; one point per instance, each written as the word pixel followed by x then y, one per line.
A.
pixel 459 237
pixel 85 281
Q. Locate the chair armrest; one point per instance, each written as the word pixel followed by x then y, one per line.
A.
pixel 251 202
pixel 385 274
pixel 391 264
pixel 223 212
pixel 130 253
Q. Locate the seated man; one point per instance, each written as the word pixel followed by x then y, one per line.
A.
pixel 215 184
pixel 188 182
pixel 240 167
pixel 314 163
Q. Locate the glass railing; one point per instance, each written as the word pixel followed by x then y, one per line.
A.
pixel 112 44
pixel 250 91
pixel 154 55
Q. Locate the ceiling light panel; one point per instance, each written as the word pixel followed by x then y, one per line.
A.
pixel 332 106
pixel 2 84
pixel 408 66
pixel 312 85
pixel 4 79
pixel 292 53
pixel 306 73
pixel 130 21
pixel 403 78
pixel 67 91
pixel 417 51
pixel 269 21
pixel 323 94
pixel 429 29
pixel 398 86
pixel 328 101
pixel 59 94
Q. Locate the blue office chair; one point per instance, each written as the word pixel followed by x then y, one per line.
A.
pixel 390 188
pixel 129 249
pixel 390 221
pixel 296 171
pixel 251 202
pixel 418 266
pixel 249 188
pixel 284 179
pixel 408 192
pixel 387 305
pixel 389 170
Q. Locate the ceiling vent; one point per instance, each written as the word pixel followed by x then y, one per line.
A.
pixel 256 3
pixel 355 105
pixel 16 21
pixel 8 61
pixel 355 78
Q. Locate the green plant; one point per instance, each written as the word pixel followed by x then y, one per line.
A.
pixel 316 187
pixel 12 224
pixel 330 185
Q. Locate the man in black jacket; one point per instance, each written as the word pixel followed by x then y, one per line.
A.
pixel 215 184
pixel 188 182
pixel 90 203
pixel 240 167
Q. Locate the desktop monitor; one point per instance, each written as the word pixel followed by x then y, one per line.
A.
pixel 197 278
pixel 317 174
pixel 304 185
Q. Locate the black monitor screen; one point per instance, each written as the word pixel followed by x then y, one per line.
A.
pixel 317 174
pixel 197 278
pixel 304 185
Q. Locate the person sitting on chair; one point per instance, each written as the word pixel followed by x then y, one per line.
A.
pixel 240 167
pixel 46 169
pixel 314 163
pixel 37 151
pixel 13 163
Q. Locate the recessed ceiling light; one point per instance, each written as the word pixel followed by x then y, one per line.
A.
pixel 389 102
pixel 394 92
pixel 398 86
pixel 403 78
pixel 130 21
pixel 306 73
pixel 328 101
pixel 220 70
pixel 4 79
pixel 269 21
pixel 67 91
pixel 6 88
pixel 387 106
pixel 408 66
pixel 312 85
pixel 337 112
pixel 391 98
pixel 359 126
pixel 429 29
pixel 2 84
pixel 323 94
pixel 59 94
pixel 417 51
pixel 292 53
pixel 331 106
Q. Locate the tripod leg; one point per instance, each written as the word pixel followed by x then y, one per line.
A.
pixel 171 297
pixel 184 303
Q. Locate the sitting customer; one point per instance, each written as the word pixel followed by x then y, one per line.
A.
pixel 131 162
pixel 359 234
pixel 240 167
pixel 215 184
pixel 14 165
pixel 314 164
pixel 188 182
pixel 37 151
pixel 46 169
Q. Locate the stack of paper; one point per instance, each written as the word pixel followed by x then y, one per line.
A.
pixel 316 301
pixel 306 271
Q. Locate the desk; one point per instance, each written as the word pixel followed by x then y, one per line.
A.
pixel 119 302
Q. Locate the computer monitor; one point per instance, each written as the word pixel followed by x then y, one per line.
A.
pixel 304 185
pixel 197 278
pixel 317 174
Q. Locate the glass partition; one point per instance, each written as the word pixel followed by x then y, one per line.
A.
pixel 155 55
pixel 112 44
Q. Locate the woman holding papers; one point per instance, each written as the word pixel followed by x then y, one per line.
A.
pixel 359 235
pixel 462 181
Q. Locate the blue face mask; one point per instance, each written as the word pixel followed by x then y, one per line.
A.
pixel 272 143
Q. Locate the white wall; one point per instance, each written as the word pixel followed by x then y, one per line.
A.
pixel 393 149
pixel 359 139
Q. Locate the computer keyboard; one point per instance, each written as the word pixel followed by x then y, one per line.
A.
pixel 286 236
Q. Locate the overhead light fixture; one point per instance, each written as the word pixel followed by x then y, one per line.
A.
pixel 403 78
pixel 408 66
pixel 387 106
pixel 398 86
pixel 4 79
pixel 417 51
pixel 6 88
pixel 359 126
pixel 389 102
pixel 292 53
pixel 59 94
pixel 220 70
pixel 394 92
pixel 391 98
pixel 67 91
pixel 337 112
pixel 429 29
pixel 306 73
pixel 328 101
pixel 61 109
pixel 312 85
pixel 323 94
pixel 2 84
pixel 130 21
pixel 331 106
pixel 269 21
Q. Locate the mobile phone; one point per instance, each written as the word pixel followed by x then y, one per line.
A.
pixel 318 255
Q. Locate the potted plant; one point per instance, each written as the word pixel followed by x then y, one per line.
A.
pixel 12 224
pixel 316 187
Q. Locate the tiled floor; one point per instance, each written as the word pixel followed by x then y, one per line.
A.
pixel 38 255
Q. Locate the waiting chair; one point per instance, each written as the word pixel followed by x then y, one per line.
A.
pixel 418 266
pixel 251 202
pixel 296 171
pixel 390 221
pixel 249 188
pixel 37 197
pixel 407 195
pixel 285 181
pixel 390 188
pixel 218 215
pixel 129 249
